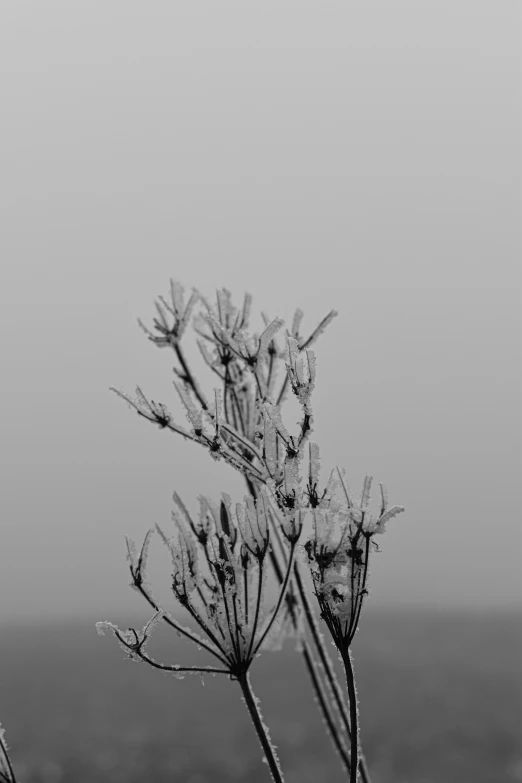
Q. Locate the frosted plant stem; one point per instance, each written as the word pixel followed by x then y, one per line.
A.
pixel 328 668
pixel 311 667
pixel 268 749
pixel 354 717
pixel 7 760
pixel 317 685
pixel 190 378
pixel 280 599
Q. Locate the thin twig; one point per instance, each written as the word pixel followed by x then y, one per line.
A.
pixel 179 628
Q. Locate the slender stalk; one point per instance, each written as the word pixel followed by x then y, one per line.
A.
pixel 204 627
pixel 245 588
pixel 354 718
pixel 328 668
pixel 230 624
pixel 280 599
pixel 268 749
pixel 311 667
pixel 190 377
pixel 256 614
pixel 183 631
pixel 362 587
pixel 10 770
pixel 165 667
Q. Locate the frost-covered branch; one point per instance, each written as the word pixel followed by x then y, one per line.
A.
pixel 7 774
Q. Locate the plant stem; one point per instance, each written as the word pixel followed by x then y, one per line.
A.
pixel 311 667
pixel 268 749
pixel 189 376
pixel 354 718
pixel 5 755
pixel 282 594
pixel 328 667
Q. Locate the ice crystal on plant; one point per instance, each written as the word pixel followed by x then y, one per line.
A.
pixel 193 413
pixel 296 323
pixel 301 373
pixel 268 334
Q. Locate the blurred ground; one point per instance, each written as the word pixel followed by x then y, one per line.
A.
pixel 440 695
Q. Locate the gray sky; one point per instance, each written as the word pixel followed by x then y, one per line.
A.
pixel 357 155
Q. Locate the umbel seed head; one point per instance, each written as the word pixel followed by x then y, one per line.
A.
pixel 339 550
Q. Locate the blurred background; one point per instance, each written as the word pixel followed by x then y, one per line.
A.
pixel 362 156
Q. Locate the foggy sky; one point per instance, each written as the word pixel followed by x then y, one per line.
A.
pixel 357 155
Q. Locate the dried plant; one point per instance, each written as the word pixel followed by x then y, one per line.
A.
pixel 219 575
pixel 244 427
pixel 7 774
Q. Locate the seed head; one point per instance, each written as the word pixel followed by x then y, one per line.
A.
pixel 338 553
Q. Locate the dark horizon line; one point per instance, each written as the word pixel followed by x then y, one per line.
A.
pixel 121 617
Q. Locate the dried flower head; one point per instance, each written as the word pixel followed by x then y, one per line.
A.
pixel 170 334
pixel 339 550
pixel 219 575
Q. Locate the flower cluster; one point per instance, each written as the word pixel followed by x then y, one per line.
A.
pixel 170 334
pixel 219 575
pixel 247 365
pixel 339 551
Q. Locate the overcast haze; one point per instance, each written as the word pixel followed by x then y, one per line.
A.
pixel 357 155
